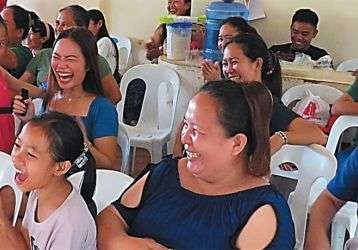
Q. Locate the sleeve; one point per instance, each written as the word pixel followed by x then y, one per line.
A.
pixel 128 214
pixel 105 119
pixel 345 184
pixel 353 90
pixel 33 65
pixel 281 116
pixel 103 66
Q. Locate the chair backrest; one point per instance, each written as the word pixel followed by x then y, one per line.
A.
pixel 123 142
pixel 7 178
pixel 339 126
pixel 348 65
pixel 155 78
pixel 124 49
pixel 314 163
pixel 110 185
pixel 327 93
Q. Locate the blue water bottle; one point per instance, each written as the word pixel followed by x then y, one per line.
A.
pixel 215 14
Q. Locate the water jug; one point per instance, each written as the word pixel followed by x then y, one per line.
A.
pixel 178 40
pixel 215 14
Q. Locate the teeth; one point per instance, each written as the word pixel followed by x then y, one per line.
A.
pixel 18 171
pixel 192 155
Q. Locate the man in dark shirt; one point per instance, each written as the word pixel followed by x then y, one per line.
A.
pixel 303 31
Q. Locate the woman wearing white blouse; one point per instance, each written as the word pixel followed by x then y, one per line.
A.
pixel 106 46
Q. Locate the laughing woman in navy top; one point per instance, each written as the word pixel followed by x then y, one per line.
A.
pixel 215 198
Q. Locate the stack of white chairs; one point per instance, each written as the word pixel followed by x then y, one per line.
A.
pixel 110 185
pixel 148 133
pixel 314 163
pixel 7 178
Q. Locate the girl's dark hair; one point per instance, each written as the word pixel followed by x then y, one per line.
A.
pixel 96 16
pixel 245 109
pixel 67 144
pixel 239 24
pixel 23 19
pixel 86 41
pixel 45 30
pixel 188 12
pixel 79 13
pixel 254 47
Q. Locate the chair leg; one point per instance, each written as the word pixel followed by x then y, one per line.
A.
pixel 337 236
pixel 156 152
pixel 131 162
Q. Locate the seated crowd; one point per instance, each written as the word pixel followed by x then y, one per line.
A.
pixel 196 198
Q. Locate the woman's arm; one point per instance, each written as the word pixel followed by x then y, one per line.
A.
pixel 105 151
pixel 319 222
pixel 10 237
pixel 345 105
pixel 16 84
pixel 299 132
pixel 112 228
pixel 260 229
pixel 111 88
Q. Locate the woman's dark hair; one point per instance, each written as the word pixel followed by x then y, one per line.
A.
pixel 67 144
pixel 45 30
pixel 96 16
pixel 80 15
pixel 86 41
pixel 23 19
pixel 245 109
pixel 239 24
pixel 254 47
pixel 188 12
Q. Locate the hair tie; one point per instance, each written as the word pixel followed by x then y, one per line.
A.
pixel 30 20
pixel 82 159
pixel 47 31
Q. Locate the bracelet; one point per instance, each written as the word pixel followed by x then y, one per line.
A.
pixel 283 136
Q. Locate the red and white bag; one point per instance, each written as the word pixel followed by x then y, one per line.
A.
pixel 313 108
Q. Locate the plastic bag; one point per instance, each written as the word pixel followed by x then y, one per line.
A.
pixel 313 108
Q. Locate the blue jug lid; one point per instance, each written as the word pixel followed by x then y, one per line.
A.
pixel 221 10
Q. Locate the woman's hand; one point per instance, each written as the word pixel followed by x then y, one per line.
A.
pixel 24 110
pixel 210 70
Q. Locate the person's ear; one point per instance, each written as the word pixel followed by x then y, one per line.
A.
pixel 315 33
pixel 99 24
pixel 62 168
pixel 239 144
pixel 19 33
pixel 259 62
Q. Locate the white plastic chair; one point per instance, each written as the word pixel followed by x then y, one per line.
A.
pixel 110 185
pixel 314 163
pixel 148 133
pixel 7 178
pixel 346 217
pixel 124 49
pixel 327 93
pixel 348 65
pixel 123 142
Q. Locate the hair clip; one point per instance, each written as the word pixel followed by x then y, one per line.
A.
pixel 82 159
